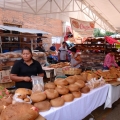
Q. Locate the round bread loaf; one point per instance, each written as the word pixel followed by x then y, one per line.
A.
pixel 70 79
pixel 38 96
pixel 76 94
pixel 57 102
pixel 23 91
pixel 85 89
pixel 19 111
pixel 80 83
pixel 51 93
pixel 61 82
pixel 50 85
pixel 74 87
pixel 78 77
pixel 62 90
pixel 68 97
pixel 43 106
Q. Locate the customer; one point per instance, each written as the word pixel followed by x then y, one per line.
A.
pixel 75 58
pixel 109 60
pixel 23 69
pixel 40 47
pixel 63 53
pixel 53 48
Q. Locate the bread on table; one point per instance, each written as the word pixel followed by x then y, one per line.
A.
pixel 19 111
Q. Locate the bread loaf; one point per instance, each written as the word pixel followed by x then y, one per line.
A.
pixel 57 102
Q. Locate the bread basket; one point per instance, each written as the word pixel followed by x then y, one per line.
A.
pixel 71 71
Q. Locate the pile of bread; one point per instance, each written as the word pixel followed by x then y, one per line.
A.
pixel 109 75
pixel 59 65
pixel 14 110
pixel 10 55
pixel 18 55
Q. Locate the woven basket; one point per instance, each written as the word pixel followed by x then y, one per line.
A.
pixel 72 71
pixel 7 85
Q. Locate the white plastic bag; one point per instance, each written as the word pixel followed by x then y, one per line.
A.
pixel 38 84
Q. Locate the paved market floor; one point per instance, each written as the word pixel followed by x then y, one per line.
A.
pixel 106 114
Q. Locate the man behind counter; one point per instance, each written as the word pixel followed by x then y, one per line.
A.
pixel 40 47
pixel 23 69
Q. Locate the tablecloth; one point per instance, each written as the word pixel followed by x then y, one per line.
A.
pixel 113 95
pixel 80 107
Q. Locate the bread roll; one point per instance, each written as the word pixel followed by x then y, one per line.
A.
pixel 40 118
pixel 51 93
pixel 57 102
pixel 38 96
pixel 43 106
pixel 50 85
pixel 24 91
pixel 76 94
pixel 78 77
pixel 5 101
pixel 19 111
pixel 80 83
pixel 61 82
pixel 68 97
pixel 74 87
pixel 62 90
pixel 70 79
pixel 85 89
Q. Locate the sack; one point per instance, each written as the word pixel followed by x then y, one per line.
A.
pixel 38 84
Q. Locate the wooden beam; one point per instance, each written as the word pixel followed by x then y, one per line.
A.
pixel 20 35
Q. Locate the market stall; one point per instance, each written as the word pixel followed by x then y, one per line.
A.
pixel 80 107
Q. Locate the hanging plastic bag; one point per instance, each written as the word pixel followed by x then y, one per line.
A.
pixel 38 84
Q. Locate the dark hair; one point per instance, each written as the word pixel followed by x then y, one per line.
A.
pixel 39 40
pixel 112 50
pixel 63 42
pixel 73 49
pixel 27 48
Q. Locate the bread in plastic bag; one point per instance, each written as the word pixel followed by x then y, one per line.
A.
pixel 38 84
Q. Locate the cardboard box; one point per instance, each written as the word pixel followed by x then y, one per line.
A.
pixel 5 76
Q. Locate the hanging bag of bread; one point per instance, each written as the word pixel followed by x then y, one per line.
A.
pixel 38 84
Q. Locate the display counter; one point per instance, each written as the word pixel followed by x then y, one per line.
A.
pixel 113 95
pixel 80 107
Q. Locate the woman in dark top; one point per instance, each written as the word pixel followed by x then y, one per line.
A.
pixel 23 69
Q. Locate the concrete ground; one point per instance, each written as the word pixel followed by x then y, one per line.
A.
pixel 102 114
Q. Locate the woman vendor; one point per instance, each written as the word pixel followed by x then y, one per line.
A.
pixel 23 69
pixel 75 58
pixel 109 60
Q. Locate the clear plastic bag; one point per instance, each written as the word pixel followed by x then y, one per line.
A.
pixel 38 84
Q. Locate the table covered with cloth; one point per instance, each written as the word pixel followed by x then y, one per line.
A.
pixel 80 107
pixel 113 95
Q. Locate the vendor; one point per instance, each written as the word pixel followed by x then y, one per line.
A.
pixel 63 53
pixel 40 47
pixel 109 60
pixel 75 58
pixel 23 69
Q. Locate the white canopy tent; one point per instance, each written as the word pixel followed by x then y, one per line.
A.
pixel 22 30
pixel 105 13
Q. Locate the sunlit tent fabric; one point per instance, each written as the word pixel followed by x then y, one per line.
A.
pixel 22 30
pixel 106 13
